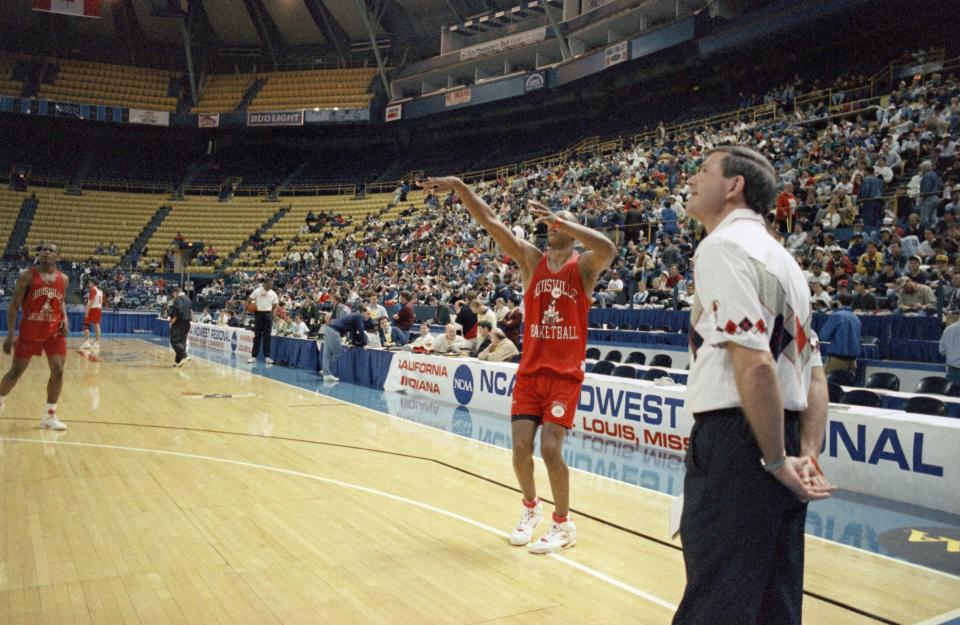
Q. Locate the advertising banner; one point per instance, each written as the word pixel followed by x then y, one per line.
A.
pixel 208 120
pixel 276 118
pixel 457 96
pixel 616 53
pixel 221 339
pixel 876 451
pixel 394 112
pixel 151 118
pixel 504 43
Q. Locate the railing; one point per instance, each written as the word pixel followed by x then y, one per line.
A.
pixel 127 186
pixel 320 189
pixel 754 114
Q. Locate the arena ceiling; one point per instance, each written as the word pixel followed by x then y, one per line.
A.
pixel 411 28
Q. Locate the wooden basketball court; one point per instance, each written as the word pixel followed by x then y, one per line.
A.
pixel 161 505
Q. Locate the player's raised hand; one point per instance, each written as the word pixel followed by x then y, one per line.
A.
pixel 440 184
pixel 541 212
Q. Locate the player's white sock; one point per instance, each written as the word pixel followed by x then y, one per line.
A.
pixel 51 409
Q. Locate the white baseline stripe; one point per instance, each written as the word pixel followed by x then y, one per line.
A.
pixel 943 618
pixel 211 363
pixel 364 489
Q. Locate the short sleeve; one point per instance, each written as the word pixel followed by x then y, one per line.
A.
pixel 728 287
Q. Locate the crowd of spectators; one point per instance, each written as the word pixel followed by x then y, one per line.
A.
pixel 868 207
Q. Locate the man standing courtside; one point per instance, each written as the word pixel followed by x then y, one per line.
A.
pixel 759 400
pixel 266 301
pixel 43 329
pixel 180 317
pixel 557 287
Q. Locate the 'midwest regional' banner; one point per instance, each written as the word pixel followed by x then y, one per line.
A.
pixel 82 8
pixel 275 118
pixel 885 453
pixel 222 339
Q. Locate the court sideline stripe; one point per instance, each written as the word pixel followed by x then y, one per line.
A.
pixel 364 489
pixel 453 467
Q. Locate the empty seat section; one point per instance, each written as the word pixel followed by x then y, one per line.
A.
pixel 112 85
pixel 78 223
pixel 223 225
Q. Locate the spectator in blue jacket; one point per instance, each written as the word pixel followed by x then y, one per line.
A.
pixel 842 331
pixel 353 325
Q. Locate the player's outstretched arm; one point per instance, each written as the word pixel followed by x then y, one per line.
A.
pixel 523 252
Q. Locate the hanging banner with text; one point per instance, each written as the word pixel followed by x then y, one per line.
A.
pixel 151 118
pixel 504 43
pixel 276 118
pixel 881 452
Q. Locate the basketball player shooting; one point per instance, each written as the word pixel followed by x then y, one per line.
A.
pixel 43 329
pixel 557 288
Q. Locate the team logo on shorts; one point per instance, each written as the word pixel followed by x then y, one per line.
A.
pixel 558 409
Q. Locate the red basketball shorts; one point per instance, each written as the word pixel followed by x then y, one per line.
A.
pixel 545 394
pixel 93 316
pixel 27 346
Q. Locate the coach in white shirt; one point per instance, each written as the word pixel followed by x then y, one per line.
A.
pixel 266 301
pixel 759 399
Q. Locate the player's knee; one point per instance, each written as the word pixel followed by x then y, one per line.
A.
pixel 56 370
pixel 551 451
pixel 522 448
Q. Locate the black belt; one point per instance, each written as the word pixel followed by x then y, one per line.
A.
pixel 730 413
pixel 841 357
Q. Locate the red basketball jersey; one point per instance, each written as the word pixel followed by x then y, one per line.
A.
pixel 555 311
pixel 42 307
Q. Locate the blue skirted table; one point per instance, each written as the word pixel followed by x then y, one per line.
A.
pixel 294 352
pixel 111 322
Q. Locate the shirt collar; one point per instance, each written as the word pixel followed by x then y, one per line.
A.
pixel 736 214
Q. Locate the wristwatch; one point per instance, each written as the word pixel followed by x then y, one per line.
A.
pixel 774 466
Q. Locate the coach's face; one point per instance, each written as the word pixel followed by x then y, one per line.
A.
pixel 708 188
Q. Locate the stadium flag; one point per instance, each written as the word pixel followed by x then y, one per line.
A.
pixel 81 8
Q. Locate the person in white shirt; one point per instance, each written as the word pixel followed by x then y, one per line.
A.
pixel 817 274
pixel 299 328
pixel 482 311
pixel 450 341
pixel 614 288
pixel 758 395
pixel 265 301
pixel 205 316
pixel 424 340
pixel 223 318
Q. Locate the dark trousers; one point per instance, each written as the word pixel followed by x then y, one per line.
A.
pixel 178 338
pixel 262 326
pixel 742 530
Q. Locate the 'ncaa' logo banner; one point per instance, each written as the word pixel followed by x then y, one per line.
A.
pixel 276 118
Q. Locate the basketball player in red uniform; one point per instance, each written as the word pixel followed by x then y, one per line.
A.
pixel 92 316
pixel 557 288
pixel 43 328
